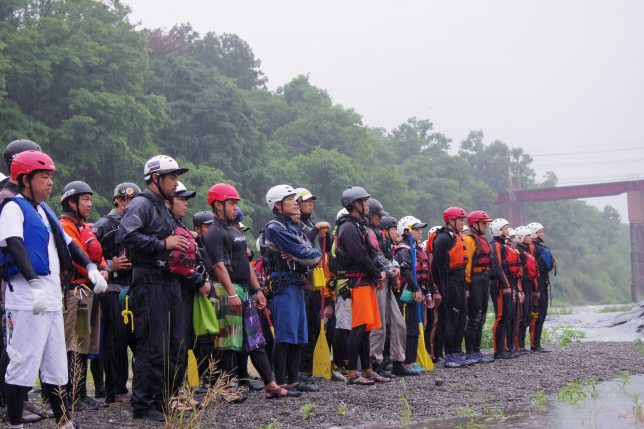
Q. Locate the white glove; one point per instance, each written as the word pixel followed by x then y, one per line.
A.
pixel 38 296
pixel 94 276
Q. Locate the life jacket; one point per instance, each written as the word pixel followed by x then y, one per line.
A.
pixel 458 254
pixel 429 247
pixel 547 260
pixel 531 266
pixel 423 275
pixel 89 241
pixel 184 263
pixel 35 238
pixel 482 255
pixel 512 261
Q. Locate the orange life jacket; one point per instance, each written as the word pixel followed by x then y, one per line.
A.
pixel 458 254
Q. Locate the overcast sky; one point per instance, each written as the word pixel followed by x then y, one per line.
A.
pixel 554 77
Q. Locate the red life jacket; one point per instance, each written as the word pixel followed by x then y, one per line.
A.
pixel 422 267
pixel 92 245
pixel 482 255
pixel 512 262
pixel 531 266
pixel 184 263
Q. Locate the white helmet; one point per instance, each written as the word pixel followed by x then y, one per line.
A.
pixel 497 225
pixel 512 232
pixel 342 212
pixel 277 193
pixel 434 228
pixel 182 191
pixel 409 222
pixel 521 233
pixel 534 228
pixel 304 194
pixel 162 164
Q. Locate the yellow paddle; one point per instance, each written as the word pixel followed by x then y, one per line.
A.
pixel 322 353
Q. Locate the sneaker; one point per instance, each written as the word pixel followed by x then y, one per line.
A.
pixel 466 361
pixel 29 417
pixel 539 349
pixel 378 369
pixel 502 355
pixel 451 362
pixel 304 387
pixel 417 368
pixel 149 414
pixel 399 370
pixel 337 376
pixel 35 409
pixel 252 385
pixel 485 358
pixel 474 357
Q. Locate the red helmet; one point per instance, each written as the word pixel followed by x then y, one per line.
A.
pixel 30 161
pixel 452 213
pixel 478 216
pixel 222 192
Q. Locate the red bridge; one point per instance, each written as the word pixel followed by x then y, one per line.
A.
pixel 514 202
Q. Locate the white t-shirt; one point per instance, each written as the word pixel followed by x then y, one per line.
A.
pixel 11 225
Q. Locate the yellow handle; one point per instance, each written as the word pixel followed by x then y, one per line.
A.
pixel 127 313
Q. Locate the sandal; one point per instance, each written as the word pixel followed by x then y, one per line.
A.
pixel 379 378
pixel 234 396
pixel 278 392
pixel 360 381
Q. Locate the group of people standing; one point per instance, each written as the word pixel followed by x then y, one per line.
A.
pixel 77 296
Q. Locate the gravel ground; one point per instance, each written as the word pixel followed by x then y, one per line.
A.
pixel 509 384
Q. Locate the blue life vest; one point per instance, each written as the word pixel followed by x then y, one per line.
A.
pixel 36 238
pixel 546 257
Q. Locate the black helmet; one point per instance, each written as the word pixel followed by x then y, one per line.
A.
pixel 76 187
pixel 17 146
pixel 375 208
pixel 351 195
pixel 126 189
pixel 388 222
pixel 202 218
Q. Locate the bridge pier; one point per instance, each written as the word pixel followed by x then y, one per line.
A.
pixel 635 200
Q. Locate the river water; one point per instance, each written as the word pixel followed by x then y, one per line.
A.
pixel 615 404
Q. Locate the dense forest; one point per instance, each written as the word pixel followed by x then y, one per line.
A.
pixel 102 96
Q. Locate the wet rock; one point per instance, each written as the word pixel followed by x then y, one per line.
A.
pixel 439 382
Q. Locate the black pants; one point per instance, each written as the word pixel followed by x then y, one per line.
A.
pixel 234 362
pixel 476 312
pixel 286 362
pixel 204 350
pixel 435 329
pixel 502 303
pixel 523 321
pixel 544 283
pixel 56 395
pixel 340 355
pixel 410 313
pixel 454 313
pixel 159 329
pixel 117 338
pixel 512 316
pixel 312 302
pixel 358 348
pixel 268 335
